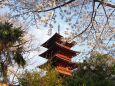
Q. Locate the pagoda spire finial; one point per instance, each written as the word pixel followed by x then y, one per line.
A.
pixel 58 29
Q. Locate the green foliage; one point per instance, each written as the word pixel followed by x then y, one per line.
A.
pixel 102 65
pixel 10 34
pixel 11 47
pixel 95 71
pixel 29 78
pixel 18 58
pixel 87 80
pixel 33 78
pixel 88 76
pixel 52 79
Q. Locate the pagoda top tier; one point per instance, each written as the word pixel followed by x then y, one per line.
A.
pixel 57 38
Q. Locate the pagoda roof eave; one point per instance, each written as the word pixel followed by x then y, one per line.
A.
pixel 57 45
pixel 66 48
pixel 57 36
pixel 54 36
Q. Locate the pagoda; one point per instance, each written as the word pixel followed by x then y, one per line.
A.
pixel 59 53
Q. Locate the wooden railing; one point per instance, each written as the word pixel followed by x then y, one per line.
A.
pixel 61 45
pixel 64 70
pixel 63 57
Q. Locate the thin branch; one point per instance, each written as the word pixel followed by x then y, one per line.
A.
pixel 80 11
pixel 47 9
pixel 15 74
pixel 92 17
pixel 105 13
pixel 109 4
pixel 35 21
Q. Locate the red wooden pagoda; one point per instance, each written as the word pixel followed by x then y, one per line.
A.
pixel 60 54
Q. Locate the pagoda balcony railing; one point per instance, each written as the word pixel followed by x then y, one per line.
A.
pixel 66 58
pixel 66 47
pixel 64 70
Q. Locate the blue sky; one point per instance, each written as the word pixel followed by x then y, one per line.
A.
pixel 40 36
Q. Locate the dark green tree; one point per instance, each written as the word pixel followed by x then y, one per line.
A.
pixel 11 47
pixel 95 71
